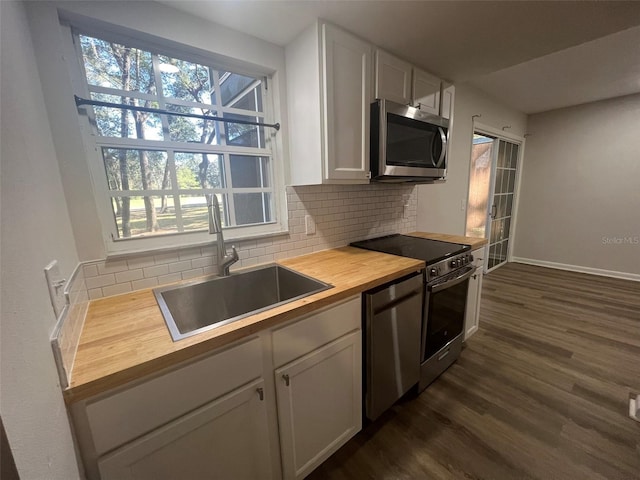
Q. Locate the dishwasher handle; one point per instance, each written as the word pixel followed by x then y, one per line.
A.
pixel 395 302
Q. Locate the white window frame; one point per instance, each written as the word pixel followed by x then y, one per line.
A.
pixel 102 194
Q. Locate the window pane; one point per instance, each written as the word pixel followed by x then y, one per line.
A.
pixel 112 65
pixel 199 170
pixel 479 183
pixel 129 169
pixel 194 130
pixel 244 135
pixel 252 208
pixel 502 154
pixel 185 80
pixel 248 171
pixel 144 215
pixel 234 88
pixel 122 123
pixel 251 100
pixel 194 212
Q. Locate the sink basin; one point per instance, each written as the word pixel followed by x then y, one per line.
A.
pixel 205 304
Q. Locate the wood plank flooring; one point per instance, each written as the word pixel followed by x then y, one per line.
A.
pixel 541 391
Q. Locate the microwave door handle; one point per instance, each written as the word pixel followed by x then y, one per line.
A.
pixel 443 152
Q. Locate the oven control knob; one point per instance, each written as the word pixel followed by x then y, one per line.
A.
pixel 433 272
pixel 454 263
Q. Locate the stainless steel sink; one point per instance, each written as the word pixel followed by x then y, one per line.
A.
pixel 192 308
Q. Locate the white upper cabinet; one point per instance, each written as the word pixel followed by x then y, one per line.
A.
pixel 448 96
pixel 426 91
pixel 329 93
pixel 401 82
pixel 393 78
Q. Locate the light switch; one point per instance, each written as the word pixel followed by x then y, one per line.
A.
pixel 310 225
pixel 56 284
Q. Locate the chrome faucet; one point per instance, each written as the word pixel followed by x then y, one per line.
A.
pixel 215 226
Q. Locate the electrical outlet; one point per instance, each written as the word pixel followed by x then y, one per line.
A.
pixel 56 284
pixel 310 225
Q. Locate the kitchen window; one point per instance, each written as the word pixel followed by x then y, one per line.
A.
pixel 152 170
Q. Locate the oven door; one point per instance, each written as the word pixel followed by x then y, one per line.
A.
pixel 445 306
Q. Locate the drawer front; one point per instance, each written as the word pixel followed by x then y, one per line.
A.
pixel 127 414
pixel 318 329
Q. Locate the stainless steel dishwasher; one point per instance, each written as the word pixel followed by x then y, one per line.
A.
pixel 392 322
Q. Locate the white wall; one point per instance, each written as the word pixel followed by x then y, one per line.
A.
pixel 150 21
pixel 442 206
pixel 580 187
pixel 35 230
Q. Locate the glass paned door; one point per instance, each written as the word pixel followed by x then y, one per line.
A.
pixel 501 210
pixel 482 155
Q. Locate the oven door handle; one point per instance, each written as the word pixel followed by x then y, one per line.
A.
pixel 454 281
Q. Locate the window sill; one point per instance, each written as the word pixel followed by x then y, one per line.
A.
pixel 195 243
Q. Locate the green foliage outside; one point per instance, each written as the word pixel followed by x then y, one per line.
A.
pixel 130 71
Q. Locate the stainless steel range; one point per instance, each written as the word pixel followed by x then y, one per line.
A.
pixel 446 284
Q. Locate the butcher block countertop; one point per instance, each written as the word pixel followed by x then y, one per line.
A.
pixel 125 337
pixel 473 241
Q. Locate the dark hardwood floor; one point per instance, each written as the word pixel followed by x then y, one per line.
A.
pixel 541 391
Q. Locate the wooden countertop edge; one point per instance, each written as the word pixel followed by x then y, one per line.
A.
pixel 308 305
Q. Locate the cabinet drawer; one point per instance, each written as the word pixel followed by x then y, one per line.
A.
pixel 129 413
pixel 318 329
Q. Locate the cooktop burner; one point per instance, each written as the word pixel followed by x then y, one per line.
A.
pixel 431 251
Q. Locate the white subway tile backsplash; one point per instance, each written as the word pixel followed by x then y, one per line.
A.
pixel 116 289
pixel 155 271
pixel 166 257
pixel 129 275
pixel 112 266
pixel 90 270
pixel 180 266
pixel 196 272
pixel 171 278
pixel 144 283
pixel 141 262
pixel 202 262
pixel 94 293
pixel 342 214
pixel 100 281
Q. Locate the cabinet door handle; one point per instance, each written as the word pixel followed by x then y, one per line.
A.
pixel 260 393
pixel 285 377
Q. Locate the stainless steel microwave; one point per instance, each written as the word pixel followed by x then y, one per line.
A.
pixel 407 144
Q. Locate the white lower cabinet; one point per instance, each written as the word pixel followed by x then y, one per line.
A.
pixel 319 404
pixel 276 404
pixel 227 438
pixel 472 316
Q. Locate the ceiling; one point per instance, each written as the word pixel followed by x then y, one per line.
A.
pixel 518 51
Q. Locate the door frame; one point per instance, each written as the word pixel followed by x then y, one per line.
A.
pixel 499 134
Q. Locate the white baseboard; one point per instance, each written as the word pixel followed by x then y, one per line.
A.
pixel 578 268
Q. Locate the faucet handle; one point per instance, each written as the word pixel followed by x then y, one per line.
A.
pixel 234 253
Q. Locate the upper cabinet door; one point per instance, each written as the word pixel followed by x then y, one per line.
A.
pixel 393 78
pixel 448 96
pixel 347 73
pixel 426 91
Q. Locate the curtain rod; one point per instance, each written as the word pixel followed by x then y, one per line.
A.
pixel 84 101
